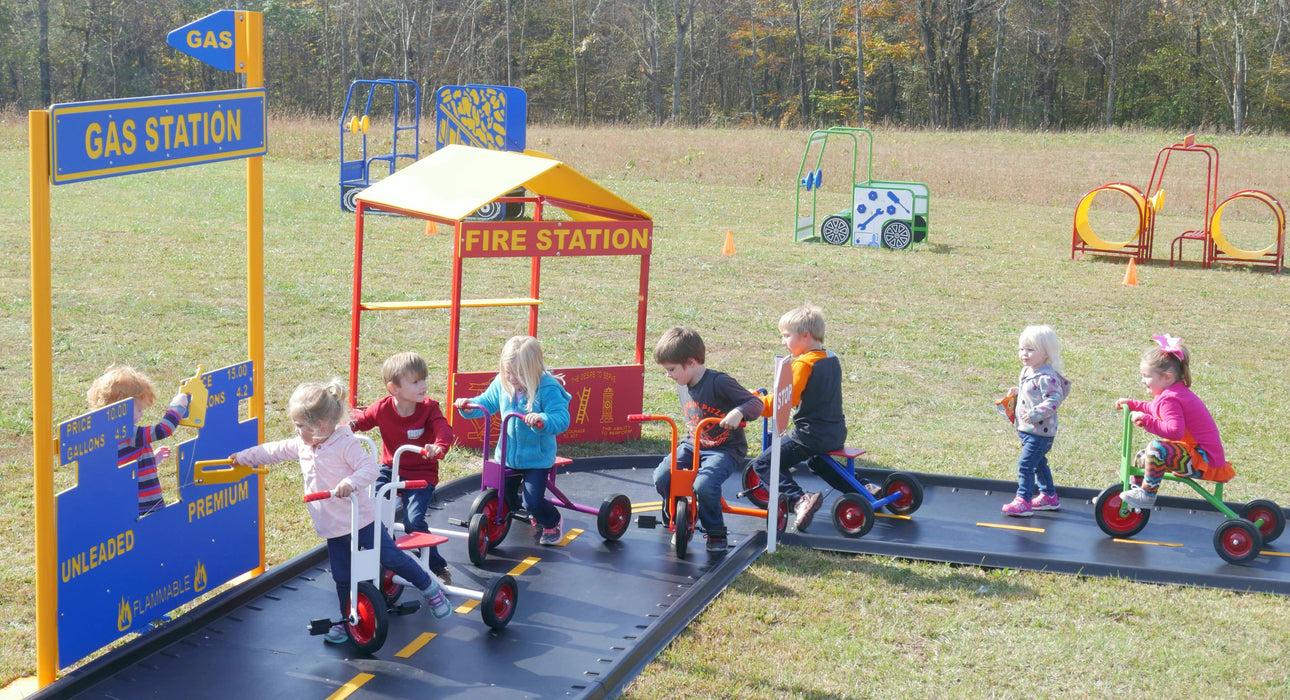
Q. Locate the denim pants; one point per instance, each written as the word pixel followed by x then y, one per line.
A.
pixel 416 503
pixel 1032 466
pixel 791 453
pixel 392 558
pixel 534 483
pixel 714 468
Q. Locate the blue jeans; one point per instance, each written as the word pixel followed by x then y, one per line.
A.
pixel 714 468
pixel 416 503
pixel 1032 466
pixel 534 482
pixel 791 453
pixel 392 558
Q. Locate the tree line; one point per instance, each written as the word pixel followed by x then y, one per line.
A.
pixel 954 64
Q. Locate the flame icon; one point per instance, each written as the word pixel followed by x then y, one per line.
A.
pixel 123 616
pixel 199 577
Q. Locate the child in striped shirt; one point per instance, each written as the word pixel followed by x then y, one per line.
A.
pixel 118 384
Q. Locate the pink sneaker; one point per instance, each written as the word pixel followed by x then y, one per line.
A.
pixel 1018 508
pixel 1045 502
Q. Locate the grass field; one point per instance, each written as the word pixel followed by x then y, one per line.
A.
pixel 149 270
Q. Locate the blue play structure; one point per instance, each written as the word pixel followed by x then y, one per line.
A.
pixel 356 172
pixel 119 573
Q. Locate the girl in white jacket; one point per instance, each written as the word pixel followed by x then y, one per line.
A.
pixel 332 459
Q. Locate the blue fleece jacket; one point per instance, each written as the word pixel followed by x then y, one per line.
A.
pixel 527 447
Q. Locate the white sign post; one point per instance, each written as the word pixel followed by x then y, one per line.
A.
pixel 782 404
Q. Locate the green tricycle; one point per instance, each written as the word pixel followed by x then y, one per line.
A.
pixel 885 214
pixel 1238 539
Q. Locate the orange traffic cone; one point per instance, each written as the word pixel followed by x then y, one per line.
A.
pixel 431 228
pixel 729 247
pixel 1131 274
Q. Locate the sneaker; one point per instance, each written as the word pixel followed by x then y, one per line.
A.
pixel 552 535
pixel 872 488
pixel 1018 508
pixel 336 635
pixel 444 576
pixel 806 507
pixel 1045 502
pixel 717 545
pixel 1139 498
pixel 438 602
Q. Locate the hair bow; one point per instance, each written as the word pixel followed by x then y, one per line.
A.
pixel 1169 344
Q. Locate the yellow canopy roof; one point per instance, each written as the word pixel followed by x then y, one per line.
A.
pixel 456 180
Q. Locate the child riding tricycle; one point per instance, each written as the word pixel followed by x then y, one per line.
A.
pixel 497 504
pixel 1237 539
pixel 681 508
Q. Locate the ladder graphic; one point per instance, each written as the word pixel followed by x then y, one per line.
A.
pixel 583 395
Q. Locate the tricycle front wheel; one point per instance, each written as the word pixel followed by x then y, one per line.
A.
pixel 1107 507
pixel 1274 519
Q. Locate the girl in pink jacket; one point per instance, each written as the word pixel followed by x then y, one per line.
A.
pixel 332 459
pixel 1188 443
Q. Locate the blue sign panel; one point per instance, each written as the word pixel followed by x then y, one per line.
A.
pixel 118 137
pixel 484 116
pixel 117 572
pixel 210 39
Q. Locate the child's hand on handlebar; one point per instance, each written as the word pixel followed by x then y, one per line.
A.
pixel 1120 402
pixel 342 490
pixel 461 404
pixel 1139 418
pixel 435 452
pixel 733 419
pixel 533 420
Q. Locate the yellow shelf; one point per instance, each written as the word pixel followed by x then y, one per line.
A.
pixel 465 303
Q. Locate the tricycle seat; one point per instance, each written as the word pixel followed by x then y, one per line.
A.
pixel 419 540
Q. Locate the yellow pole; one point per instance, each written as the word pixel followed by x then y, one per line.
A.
pixel 42 401
pixel 252 37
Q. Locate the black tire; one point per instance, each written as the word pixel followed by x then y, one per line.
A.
pixel 1274 519
pixel 897 235
pixel 487 502
pixel 368 636
pixel 614 517
pixel 909 487
pixel 499 601
pixel 853 515
pixel 920 228
pixel 477 542
pixel 493 211
pixel 349 197
pixel 684 527
pixel 1106 509
pixel 390 590
pixel 755 491
pixel 1237 541
pixel 781 518
pixel 835 230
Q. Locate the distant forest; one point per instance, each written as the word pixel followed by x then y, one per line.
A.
pixel 952 64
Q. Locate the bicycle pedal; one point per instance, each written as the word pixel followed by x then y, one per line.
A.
pixel 647 521
pixel 458 522
pixel 321 626
pixel 406 607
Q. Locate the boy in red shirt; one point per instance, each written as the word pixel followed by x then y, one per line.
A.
pixel 408 417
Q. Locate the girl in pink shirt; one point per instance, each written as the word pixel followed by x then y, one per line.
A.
pixel 1189 443
pixel 332 459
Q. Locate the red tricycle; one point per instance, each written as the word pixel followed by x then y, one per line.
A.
pixel 370 606
pixel 490 515
pixel 681 507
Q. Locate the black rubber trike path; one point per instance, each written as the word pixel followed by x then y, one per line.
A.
pixel 592 613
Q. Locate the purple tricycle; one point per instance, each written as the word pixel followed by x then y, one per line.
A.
pixel 489 518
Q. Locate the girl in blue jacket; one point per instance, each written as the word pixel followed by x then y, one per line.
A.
pixel 523 385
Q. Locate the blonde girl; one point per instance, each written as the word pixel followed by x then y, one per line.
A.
pixel 1040 389
pixel 332 459
pixel 523 385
